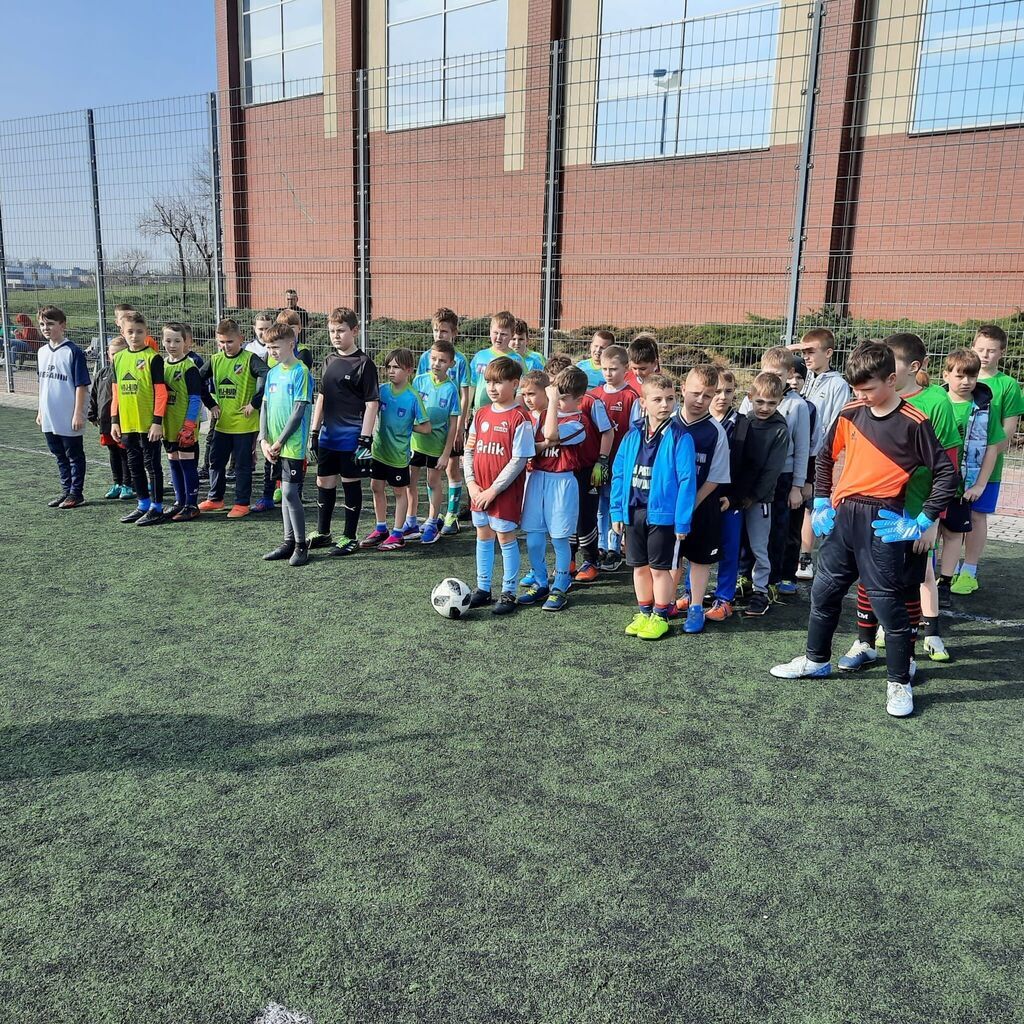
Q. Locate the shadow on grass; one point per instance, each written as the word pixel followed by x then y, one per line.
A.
pixel 150 743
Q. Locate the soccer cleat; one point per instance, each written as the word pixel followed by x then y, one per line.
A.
pixel 880 638
pixel 588 573
pixel 410 532
pixel 114 492
pixel 174 511
pixel 320 540
pixel 507 603
pixel 572 567
pixel 346 547
pixel 239 511
pixel 719 611
pixel 637 623
pixel 127 493
pixel 859 656
pixel 935 648
pixel 534 594
pixel 556 601
pixel 431 532
pixel 72 501
pixel 759 604
pixel 373 538
pixel 394 542
pixel 529 580
pixel 899 699
pixel 150 518
pixel 300 556
pixel 805 570
pixel 744 588
pixel 281 552
pixel 210 505
pixel 802 668
pixel 479 598
pixel 134 516
pixel 451 526
pixel 963 584
pixel 612 561
pixel 654 628
pixel 787 588
pixel 277 495
pixel 58 501
pixel 204 473
pixel 262 505
pixel 683 602
pixel 694 620
pixel 187 514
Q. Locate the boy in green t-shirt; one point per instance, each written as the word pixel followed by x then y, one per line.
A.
pixel 1007 406
pixel 235 375
pixel 980 429
pixel 181 422
pixel 137 408
pixel 284 424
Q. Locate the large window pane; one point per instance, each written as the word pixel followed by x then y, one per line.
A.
pixel 415 99
pixel 263 32
pixel 303 24
pixel 416 41
pixel 617 15
pixel 474 87
pixel 971 66
pixel 403 10
pixel 476 29
pixel 264 79
pixel 303 70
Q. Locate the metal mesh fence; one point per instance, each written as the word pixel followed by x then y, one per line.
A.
pixel 726 180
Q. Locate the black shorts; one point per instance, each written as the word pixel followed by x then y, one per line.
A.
pixel 191 450
pixel 915 568
pixel 704 541
pixel 958 516
pixel 293 471
pixel 390 474
pixel 655 546
pixel 421 460
pixel 343 464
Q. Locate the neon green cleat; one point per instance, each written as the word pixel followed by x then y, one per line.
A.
pixel 964 583
pixel 935 648
pixel 638 623
pixel 654 628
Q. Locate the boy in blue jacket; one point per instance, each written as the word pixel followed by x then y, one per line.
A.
pixel 653 492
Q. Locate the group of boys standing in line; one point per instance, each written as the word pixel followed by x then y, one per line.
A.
pixel 600 459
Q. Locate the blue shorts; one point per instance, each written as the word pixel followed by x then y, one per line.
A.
pixel 551 504
pixel 989 499
pixel 496 524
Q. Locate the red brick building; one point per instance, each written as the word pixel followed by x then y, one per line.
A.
pixel 675 157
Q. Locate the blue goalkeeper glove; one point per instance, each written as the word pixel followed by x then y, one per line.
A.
pixel 823 517
pixel 363 448
pixel 892 528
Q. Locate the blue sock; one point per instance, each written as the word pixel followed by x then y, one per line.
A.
pixel 382 528
pixel 563 556
pixel 646 608
pixel 190 478
pixel 614 542
pixel 144 504
pixel 536 549
pixel 510 564
pixel 157 506
pixel 484 564
pixel 412 521
pixel 177 481
pixel 971 570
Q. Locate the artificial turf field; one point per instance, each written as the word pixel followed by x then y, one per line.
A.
pixel 227 782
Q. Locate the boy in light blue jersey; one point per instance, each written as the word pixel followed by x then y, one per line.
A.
pixel 401 414
pixel 592 366
pixel 445 327
pixel 433 451
pixel 520 344
pixel 502 325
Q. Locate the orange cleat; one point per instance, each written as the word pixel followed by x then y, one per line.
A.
pixel 683 603
pixel 719 611
pixel 210 505
pixel 238 511
pixel 588 573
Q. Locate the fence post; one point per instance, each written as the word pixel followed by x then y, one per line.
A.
pixel 817 14
pixel 362 203
pixel 101 295
pixel 5 315
pixel 550 267
pixel 218 255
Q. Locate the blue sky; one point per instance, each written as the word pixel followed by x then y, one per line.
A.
pixel 69 54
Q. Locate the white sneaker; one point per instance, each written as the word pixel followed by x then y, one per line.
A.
pixel 880 638
pixel 805 570
pixel 859 656
pixel 899 699
pixel 935 648
pixel 802 668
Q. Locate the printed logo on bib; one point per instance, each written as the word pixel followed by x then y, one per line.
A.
pixel 484 427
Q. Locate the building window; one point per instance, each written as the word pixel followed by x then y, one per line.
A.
pixel 971 66
pixel 446 60
pixel 282 49
pixel 683 77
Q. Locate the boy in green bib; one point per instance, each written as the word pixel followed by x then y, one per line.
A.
pixel 284 424
pixel 184 399
pixel 234 376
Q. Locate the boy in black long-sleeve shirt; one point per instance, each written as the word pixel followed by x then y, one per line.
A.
pixel 868 535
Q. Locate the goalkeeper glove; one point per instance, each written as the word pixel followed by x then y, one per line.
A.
pixel 363 446
pixel 892 528
pixel 314 444
pixel 187 434
pixel 600 475
pixel 823 517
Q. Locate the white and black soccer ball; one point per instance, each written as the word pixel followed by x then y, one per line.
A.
pixel 450 598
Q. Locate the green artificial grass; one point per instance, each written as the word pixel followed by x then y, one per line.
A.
pixel 227 782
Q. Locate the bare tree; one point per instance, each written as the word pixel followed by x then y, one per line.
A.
pixel 129 263
pixel 201 227
pixel 171 217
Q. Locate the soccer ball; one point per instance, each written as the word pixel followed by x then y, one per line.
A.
pixel 450 598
